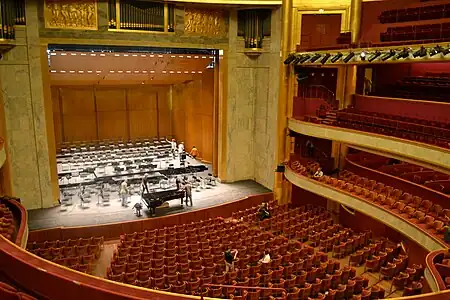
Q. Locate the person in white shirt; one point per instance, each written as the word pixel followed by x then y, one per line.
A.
pixel 266 258
pixel 173 145
pixel 123 192
pixel 181 148
pixel 319 173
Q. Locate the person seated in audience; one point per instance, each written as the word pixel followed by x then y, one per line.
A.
pixel 447 235
pixel 266 259
pixel 264 212
pixel 230 257
pixel 194 152
pixel 310 149
pixel 322 113
pixel 123 192
pixel 318 174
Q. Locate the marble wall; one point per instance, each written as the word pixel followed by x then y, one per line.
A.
pixel 103 36
pixel 23 101
pixel 253 84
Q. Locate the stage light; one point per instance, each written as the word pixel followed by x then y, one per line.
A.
pixel 336 57
pixel 446 51
pixel 325 58
pixel 289 59
pixel 403 54
pixel 388 55
pixel 421 52
pixel 315 57
pixel 435 50
pixel 349 57
pixel 374 56
pixel 304 59
pixel 363 55
pixel 296 59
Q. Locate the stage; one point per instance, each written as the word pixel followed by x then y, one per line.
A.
pixel 98 214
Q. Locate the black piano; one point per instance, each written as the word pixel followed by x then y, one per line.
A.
pixel 157 198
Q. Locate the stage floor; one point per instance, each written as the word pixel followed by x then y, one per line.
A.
pixel 98 214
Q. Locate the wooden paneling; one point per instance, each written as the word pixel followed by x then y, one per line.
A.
pixel 192 114
pixel 143 112
pixel 57 118
pixel 164 115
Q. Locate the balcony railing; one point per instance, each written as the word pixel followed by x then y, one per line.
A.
pixel 141 16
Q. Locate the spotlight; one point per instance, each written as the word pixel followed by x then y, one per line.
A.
pixel 363 55
pixel 388 55
pixel 374 56
pixel 446 51
pixel 304 59
pixel 325 58
pixel 296 59
pixel 421 52
pixel 291 57
pixel 315 57
pixel 435 50
pixel 336 57
pixel 403 54
pixel 349 57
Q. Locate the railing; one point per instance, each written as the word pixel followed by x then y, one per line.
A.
pixel 321 92
pixel 437 270
pixel 245 288
pixel 141 15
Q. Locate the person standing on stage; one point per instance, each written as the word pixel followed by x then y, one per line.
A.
pixel 173 145
pixel 194 152
pixel 123 192
pixel 181 148
pixel 188 192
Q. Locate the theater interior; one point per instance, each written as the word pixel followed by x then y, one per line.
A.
pixel 229 149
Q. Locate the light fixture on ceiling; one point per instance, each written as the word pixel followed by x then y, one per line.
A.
pixel 315 57
pixel 349 57
pixel 403 54
pixel 374 56
pixel 321 10
pixel 336 57
pixel 388 55
pixel 304 59
pixel 325 58
pixel 291 57
pixel 421 52
pixel 435 50
pixel 363 55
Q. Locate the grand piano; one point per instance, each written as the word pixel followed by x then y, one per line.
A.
pixel 157 197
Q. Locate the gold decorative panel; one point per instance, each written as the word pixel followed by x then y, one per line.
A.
pixel 71 14
pixel 205 22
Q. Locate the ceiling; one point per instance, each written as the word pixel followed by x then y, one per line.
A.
pixel 123 68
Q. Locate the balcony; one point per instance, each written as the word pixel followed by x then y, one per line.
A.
pixel 425 238
pixel 429 156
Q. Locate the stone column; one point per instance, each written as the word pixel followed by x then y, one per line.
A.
pixel 355 20
pixel 285 73
pixel 26 118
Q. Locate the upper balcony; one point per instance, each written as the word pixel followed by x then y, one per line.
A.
pixel 385 26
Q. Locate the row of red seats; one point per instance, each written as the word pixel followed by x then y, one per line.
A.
pixel 415 14
pixel 340 292
pixel 404 130
pixel 416 33
pixel 419 175
pixel 79 254
pixel 7 227
pixel 8 292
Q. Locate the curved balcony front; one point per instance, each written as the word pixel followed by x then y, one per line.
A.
pixel 410 230
pixel 410 151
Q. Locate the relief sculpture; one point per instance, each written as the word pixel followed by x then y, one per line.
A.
pixel 205 22
pixel 71 15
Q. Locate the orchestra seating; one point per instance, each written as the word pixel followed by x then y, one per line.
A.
pixel 78 254
pixel 182 258
pixel 8 292
pixel 434 87
pixel 424 131
pixel 415 14
pixel 416 174
pixel 421 212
